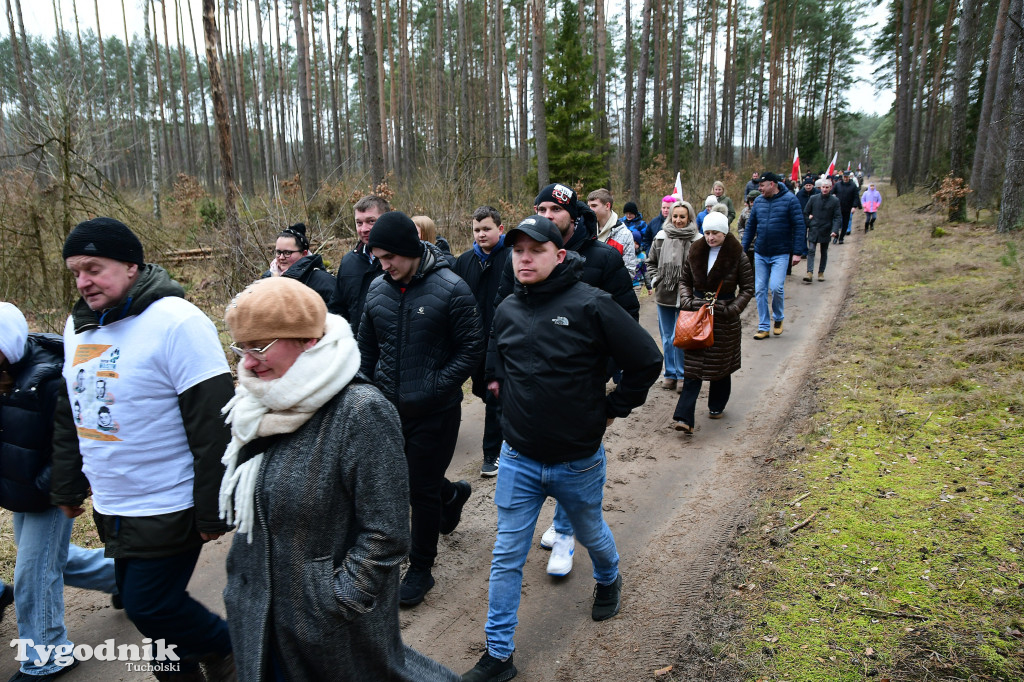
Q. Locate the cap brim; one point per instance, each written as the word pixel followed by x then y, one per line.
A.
pixel 531 232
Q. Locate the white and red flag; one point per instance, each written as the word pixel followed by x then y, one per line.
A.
pixel 678 191
pixel 832 166
pixel 796 165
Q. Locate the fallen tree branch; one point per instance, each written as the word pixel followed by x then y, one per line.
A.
pixel 800 499
pixel 803 523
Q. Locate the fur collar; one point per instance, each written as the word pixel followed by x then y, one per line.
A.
pixel 725 265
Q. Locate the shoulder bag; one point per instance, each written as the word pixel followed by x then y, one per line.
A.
pixel 694 327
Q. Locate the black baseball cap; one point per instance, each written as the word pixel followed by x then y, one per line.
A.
pixel 768 175
pixel 537 228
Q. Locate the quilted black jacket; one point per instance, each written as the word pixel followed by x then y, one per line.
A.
pixel 420 341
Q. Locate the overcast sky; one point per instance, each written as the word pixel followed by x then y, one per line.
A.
pixel 39 20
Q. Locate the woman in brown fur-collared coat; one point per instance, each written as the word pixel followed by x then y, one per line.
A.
pixel 718 258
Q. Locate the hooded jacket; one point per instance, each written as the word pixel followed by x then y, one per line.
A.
pixel 552 344
pixel 26 425
pixel 420 341
pixel 776 225
pixel 358 268
pixel 614 233
pixel 848 194
pixel 638 227
pixel 207 435
pixel 603 266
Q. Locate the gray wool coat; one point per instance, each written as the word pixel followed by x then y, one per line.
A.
pixel 318 584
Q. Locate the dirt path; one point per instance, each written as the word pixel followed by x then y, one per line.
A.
pixel 673 503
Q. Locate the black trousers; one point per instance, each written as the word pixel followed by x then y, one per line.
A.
pixel 157 602
pixel 492 426
pixel 718 396
pixel 429 446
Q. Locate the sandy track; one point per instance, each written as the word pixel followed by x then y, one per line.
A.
pixel 673 503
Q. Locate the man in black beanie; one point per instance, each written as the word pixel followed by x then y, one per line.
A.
pixel 147 371
pixel 419 340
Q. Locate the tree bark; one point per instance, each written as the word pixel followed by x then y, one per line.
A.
pixel 1013 189
pixel 641 95
pixel 202 98
pixel 371 95
pixel 992 75
pixel 220 115
pixel 540 125
pixel 628 151
pixel 154 155
pixel 904 100
pixel 961 83
pixel 310 181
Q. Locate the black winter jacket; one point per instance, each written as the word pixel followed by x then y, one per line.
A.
pixel 603 266
pixel 350 286
pixel 483 279
pixel 552 344
pixel 420 341
pixel 848 194
pixel 310 271
pixel 823 218
pixel 26 425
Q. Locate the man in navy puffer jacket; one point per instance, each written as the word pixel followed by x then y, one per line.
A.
pixel 420 338
pixel 776 227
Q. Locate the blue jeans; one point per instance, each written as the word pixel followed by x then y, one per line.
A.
pixel 769 274
pixel 523 485
pixel 46 562
pixel 673 356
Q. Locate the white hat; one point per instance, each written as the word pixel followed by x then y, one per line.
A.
pixel 13 332
pixel 716 222
pixel 710 201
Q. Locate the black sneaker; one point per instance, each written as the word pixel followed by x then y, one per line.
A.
pixel 414 586
pixel 6 599
pixel 116 601
pixel 607 599
pixel 490 466
pixel 491 669
pixel 451 511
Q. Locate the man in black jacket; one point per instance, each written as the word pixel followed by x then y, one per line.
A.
pixel 419 340
pixel 481 267
pixel 148 444
pixel 553 339
pixel 358 267
pixel 603 268
pixel 823 223
pixel 849 198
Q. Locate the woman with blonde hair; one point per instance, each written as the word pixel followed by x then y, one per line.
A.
pixel 665 266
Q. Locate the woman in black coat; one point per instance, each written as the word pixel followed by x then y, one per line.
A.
pixel 716 259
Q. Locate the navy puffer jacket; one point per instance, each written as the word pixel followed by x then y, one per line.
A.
pixel 26 418
pixel 776 225
pixel 420 341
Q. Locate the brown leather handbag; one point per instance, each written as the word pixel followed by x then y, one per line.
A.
pixel 694 328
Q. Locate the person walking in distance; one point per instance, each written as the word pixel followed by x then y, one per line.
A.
pixel 482 267
pixel 824 224
pixel 419 340
pixel 552 341
pixel 870 202
pixel 777 231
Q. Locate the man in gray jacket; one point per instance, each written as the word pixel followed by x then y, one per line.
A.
pixel 824 221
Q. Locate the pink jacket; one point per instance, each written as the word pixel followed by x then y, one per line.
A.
pixel 871 201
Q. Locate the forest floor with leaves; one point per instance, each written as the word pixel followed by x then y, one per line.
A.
pixel 857 515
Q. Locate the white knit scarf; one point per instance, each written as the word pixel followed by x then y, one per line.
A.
pixel 264 408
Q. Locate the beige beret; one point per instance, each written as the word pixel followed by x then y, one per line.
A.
pixel 276 308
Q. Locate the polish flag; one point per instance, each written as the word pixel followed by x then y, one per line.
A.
pixel 678 191
pixel 796 165
pixel 832 166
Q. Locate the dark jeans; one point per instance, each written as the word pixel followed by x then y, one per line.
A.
pixel 810 256
pixel 157 602
pixel 492 426
pixel 429 446
pixel 718 396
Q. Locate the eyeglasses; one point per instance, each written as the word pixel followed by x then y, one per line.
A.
pixel 258 354
pixel 284 252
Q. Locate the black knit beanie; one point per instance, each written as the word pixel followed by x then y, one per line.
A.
pixel 562 195
pixel 630 207
pixel 396 233
pixel 106 238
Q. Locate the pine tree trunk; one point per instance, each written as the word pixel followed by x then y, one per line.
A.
pixel 136 162
pixel 220 114
pixel 641 95
pixel 332 79
pixel 202 97
pixel 922 33
pixel 1013 189
pixel 627 150
pixel 958 107
pixel 385 142
pixel 265 96
pixel 933 104
pixel 540 124
pixel 310 181
pixel 186 108
pixel 995 151
pixel 371 95
pixel 154 155
pixel 991 76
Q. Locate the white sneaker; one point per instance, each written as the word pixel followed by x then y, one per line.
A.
pixel 548 539
pixel 560 562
